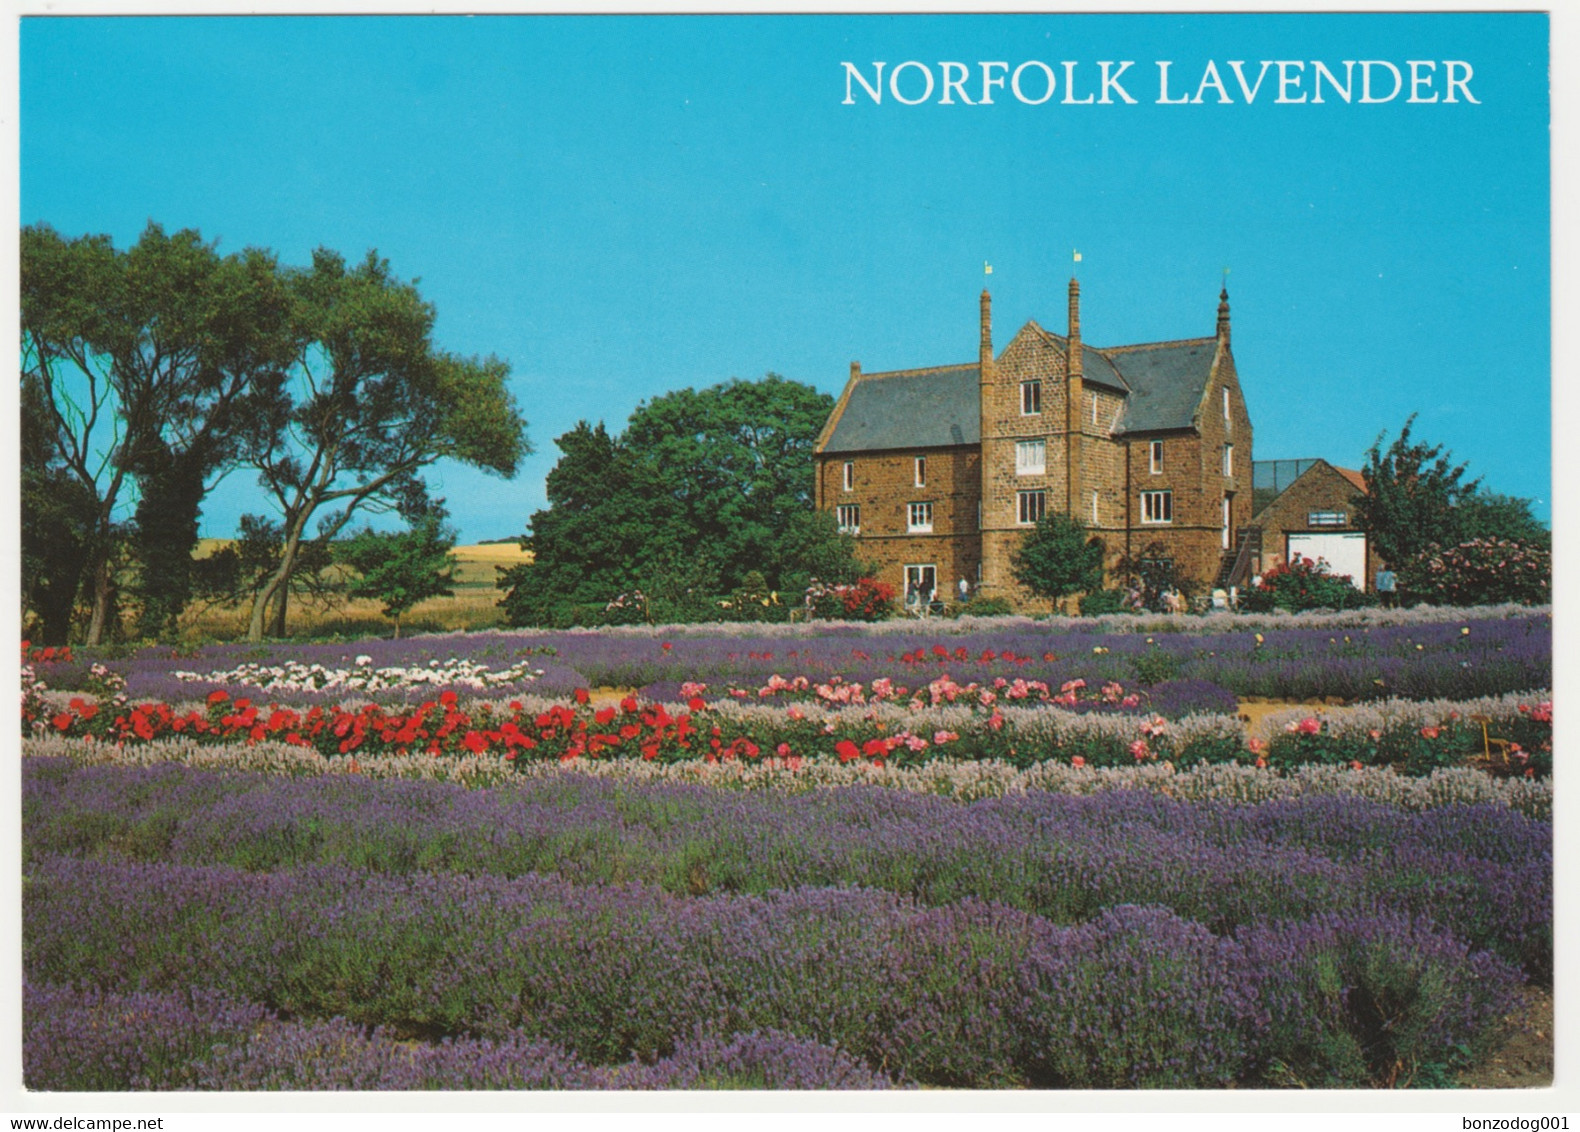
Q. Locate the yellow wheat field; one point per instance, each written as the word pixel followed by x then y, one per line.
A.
pixel 473 606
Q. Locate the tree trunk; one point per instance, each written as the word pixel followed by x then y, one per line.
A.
pixel 279 584
pixel 101 601
pixel 283 596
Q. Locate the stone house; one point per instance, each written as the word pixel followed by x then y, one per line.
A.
pixel 940 471
pixel 1313 516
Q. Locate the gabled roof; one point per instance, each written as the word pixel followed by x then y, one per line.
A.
pixel 1353 476
pixel 1317 468
pixel 1167 381
pixel 916 408
pixel 1163 384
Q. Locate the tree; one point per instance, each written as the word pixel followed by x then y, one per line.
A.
pixel 1489 515
pixel 404 568
pixel 71 410
pixel 367 405
pixel 1412 499
pixel 1057 558
pixel 233 574
pixel 700 490
pixel 143 362
pixel 586 543
pixel 730 466
pixel 57 527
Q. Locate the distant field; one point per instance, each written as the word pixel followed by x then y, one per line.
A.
pixel 473 606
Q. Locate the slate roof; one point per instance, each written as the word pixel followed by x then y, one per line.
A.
pixel 1163 384
pixel 1166 382
pixel 926 408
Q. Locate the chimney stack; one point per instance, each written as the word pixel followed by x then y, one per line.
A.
pixel 1074 406
pixel 985 347
pixel 855 370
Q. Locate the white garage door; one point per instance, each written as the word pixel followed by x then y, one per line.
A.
pixel 1344 552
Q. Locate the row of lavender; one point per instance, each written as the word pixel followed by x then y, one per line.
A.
pixel 971 993
pixel 87 1041
pixel 1482 872
pixel 1477 654
pixel 944 778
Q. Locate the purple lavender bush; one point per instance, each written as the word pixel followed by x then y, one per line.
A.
pixel 88 1041
pixel 1483 872
pixel 1378 998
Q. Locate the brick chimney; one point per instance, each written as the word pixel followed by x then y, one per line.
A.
pixel 987 567
pixel 1074 406
pixel 855 370
pixel 985 347
pixel 1223 315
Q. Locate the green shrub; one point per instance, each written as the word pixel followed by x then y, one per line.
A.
pixel 1099 602
pixel 987 607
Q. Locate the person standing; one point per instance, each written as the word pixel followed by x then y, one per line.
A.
pixel 1387 587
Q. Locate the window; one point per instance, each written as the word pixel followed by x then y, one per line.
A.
pixel 1030 506
pixel 1157 506
pixel 1226 502
pixel 849 482
pixel 1226 403
pixel 1031 457
pixel 1157 457
pixel 1094 508
pixel 1228 459
pixel 1094 408
pixel 921 471
pixel 919 518
pixel 848 518
pixel 1030 398
pixel 1327 518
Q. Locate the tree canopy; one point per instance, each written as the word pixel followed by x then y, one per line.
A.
pixel 702 488
pixel 1418 498
pixel 368 403
pixel 141 365
pixel 147 374
pixel 1058 558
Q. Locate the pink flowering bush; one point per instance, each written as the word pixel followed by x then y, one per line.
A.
pixel 1415 748
pixel 1480 571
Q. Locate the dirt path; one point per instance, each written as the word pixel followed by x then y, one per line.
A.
pixel 1254 712
pixel 1525 1060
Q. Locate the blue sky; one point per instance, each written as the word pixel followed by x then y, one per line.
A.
pixel 622 206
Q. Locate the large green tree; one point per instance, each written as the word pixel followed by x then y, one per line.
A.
pixel 73 427
pixel 144 363
pixel 58 514
pixel 368 404
pixel 1058 558
pixel 701 489
pixel 1490 515
pixel 1414 492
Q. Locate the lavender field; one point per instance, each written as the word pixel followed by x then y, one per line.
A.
pixel 218 897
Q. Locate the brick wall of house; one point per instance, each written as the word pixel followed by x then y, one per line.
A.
pixel 884 487
pixel 1320 488
pixel 1115 469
